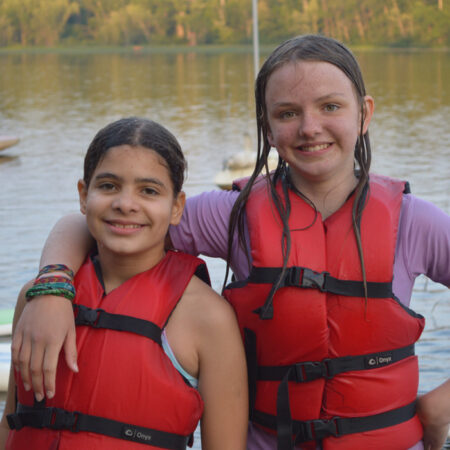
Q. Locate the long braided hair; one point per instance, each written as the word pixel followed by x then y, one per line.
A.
pixel 301 48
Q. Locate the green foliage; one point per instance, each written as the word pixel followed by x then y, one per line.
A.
pixel 39 22
pixel 193 22
pixel 432 24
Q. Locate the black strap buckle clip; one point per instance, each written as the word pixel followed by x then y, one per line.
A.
pixel 312 370
pixel 60 419
pixel 87 316
pixel 308 371
pixel 329 369
pixel 292 277
pixel 14 421
pixel 325 428
pixel 312 279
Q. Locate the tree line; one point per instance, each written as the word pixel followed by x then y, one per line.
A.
pixel 225 22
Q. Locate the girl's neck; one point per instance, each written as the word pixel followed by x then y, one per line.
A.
pixel 327 195
pixel 116 269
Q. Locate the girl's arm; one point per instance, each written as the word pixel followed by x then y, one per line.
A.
pixel 433 409
pixel 205 338
pixel 424 248
pixel 46 324
pixel 10 396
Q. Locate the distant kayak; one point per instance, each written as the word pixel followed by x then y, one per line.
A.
pixel 8 141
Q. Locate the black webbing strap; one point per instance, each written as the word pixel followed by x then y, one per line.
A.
pixel 307 371
pixel 310 430
pixel 303 277
pixel 60 419
pixel 329 369
pixel 98 318
pixel 284 420
pixel 303 372
pixel 252 367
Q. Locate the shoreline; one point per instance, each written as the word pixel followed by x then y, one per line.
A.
pixel 201 49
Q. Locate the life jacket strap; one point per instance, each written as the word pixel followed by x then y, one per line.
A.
pixel 252 367
pixel 99 318
pixel 308 371
pixel 315 430
pixel 74 421
pixel 303 277
pixel 303 372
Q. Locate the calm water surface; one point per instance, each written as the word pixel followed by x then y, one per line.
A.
pixel 56 103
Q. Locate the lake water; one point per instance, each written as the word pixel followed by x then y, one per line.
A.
pixel 56 103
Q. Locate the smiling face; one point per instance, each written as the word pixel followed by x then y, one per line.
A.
pixel 130 203
pixel 314 120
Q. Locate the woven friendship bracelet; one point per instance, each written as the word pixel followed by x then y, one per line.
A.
pixel 57 279
pixel 58 292
pixel 64 289
pixel 56 268
pixel 59 285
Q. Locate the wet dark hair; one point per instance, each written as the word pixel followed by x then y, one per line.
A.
pixel 301 48
pixel 137 132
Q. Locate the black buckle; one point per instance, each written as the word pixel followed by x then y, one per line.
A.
pixel 325 428
pixel 60 419
pixel 292 277
pixel 14 421
pixel 315 430
pixel 328 372
pixel 303 432
pixel 87 316
pixel 308 371
pixel 312 279
pixel 312 370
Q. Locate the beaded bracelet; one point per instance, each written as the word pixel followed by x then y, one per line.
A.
pixel 56 268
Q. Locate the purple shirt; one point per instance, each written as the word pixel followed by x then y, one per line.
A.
pixel 423 247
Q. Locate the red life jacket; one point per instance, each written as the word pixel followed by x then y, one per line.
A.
pixel 328 364
pixel 127 392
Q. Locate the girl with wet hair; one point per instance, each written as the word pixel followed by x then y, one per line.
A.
pixel 158 349
pixel 324 255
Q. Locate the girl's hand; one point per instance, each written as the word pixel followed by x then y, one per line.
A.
pixel 433 409
pixel 45 325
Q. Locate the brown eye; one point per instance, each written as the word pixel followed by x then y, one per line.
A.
pixel 106 186
pixel 150 191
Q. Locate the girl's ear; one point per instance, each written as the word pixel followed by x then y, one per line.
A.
pixel 177 208
pixel 368 108
pixel 82 193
